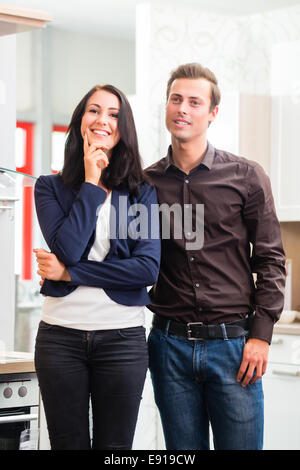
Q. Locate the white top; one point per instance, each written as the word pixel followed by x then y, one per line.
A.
pixel 90 308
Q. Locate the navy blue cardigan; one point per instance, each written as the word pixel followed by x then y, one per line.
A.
pixel 67 219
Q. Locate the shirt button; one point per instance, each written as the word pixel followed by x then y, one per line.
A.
pixel 187 181
pixel 192 258
pixel 200 309
pixel 197 284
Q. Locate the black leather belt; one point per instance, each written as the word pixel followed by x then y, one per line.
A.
pixel 201 331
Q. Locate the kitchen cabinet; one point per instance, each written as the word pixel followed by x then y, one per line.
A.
pixel 285 168
pixel 285 118
pixel 254 129
pixel 282 390
pixel 266 129
pixel 18 20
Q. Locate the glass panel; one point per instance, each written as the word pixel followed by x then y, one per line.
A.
pixel 11 181
pixel 15 189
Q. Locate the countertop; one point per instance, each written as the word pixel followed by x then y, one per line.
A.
pixel 19 362
pixel 287 328
pixel 14 362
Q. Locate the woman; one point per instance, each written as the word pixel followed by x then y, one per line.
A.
pixel 91 340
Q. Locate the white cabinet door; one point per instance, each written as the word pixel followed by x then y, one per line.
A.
pixel 285 161
pixel 282 407
pixel 285 128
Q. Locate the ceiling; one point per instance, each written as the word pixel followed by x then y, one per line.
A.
pixel 117 17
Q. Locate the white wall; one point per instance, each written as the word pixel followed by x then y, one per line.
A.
pixel 82 61
pixel 77 62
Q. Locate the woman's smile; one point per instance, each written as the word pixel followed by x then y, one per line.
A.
pixel 100 119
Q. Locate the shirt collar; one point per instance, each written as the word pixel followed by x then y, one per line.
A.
pixel 206 162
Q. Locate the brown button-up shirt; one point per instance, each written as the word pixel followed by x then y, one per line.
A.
pixel 211 281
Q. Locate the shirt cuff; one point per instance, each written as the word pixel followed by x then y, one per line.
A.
pixel 262 328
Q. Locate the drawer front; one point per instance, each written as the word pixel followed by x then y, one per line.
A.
pixel 281 385
pixel 285 349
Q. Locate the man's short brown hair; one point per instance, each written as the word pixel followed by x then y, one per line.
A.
pixel 194 71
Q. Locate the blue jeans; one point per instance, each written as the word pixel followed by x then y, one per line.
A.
pixel 195 384
pixel 109 367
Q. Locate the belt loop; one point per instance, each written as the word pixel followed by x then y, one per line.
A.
pixel 167 328
pixel 224 332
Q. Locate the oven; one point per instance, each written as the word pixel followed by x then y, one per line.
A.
pixel 19 405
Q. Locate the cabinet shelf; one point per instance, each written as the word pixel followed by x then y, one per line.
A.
pixel 11 182
pixel 18 20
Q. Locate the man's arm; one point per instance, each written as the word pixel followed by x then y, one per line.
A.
pixel 268 257
pixel 268 262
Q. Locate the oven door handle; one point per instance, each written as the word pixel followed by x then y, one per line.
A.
pixel 18 418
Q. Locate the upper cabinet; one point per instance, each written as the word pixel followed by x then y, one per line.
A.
pixel 266 128
pixel 18 20
pixel 254 129
pixel 285 130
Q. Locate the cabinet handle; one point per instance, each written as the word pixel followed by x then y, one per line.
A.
pixel 277 341
pixel 18 418
pixel 286 373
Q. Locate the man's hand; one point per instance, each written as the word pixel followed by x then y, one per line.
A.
pixel 255 358
pixel 50 267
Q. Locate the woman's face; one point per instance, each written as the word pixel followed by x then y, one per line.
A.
pixel 100 120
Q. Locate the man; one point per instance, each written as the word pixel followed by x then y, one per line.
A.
pixel 208 349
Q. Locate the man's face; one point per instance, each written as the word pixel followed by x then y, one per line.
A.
pixel 188 109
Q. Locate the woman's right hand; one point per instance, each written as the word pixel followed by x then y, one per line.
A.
pixel 95 159
pixel 50 267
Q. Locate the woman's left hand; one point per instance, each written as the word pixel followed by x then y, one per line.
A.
pixel 50 267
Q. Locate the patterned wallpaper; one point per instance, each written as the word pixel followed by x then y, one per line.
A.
pixel 237 49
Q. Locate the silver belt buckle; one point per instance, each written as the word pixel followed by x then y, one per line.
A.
pixel 189 331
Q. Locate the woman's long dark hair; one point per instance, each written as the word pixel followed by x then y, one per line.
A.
pixel 125 168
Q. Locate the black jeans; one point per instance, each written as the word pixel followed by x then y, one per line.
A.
pixel 108 366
